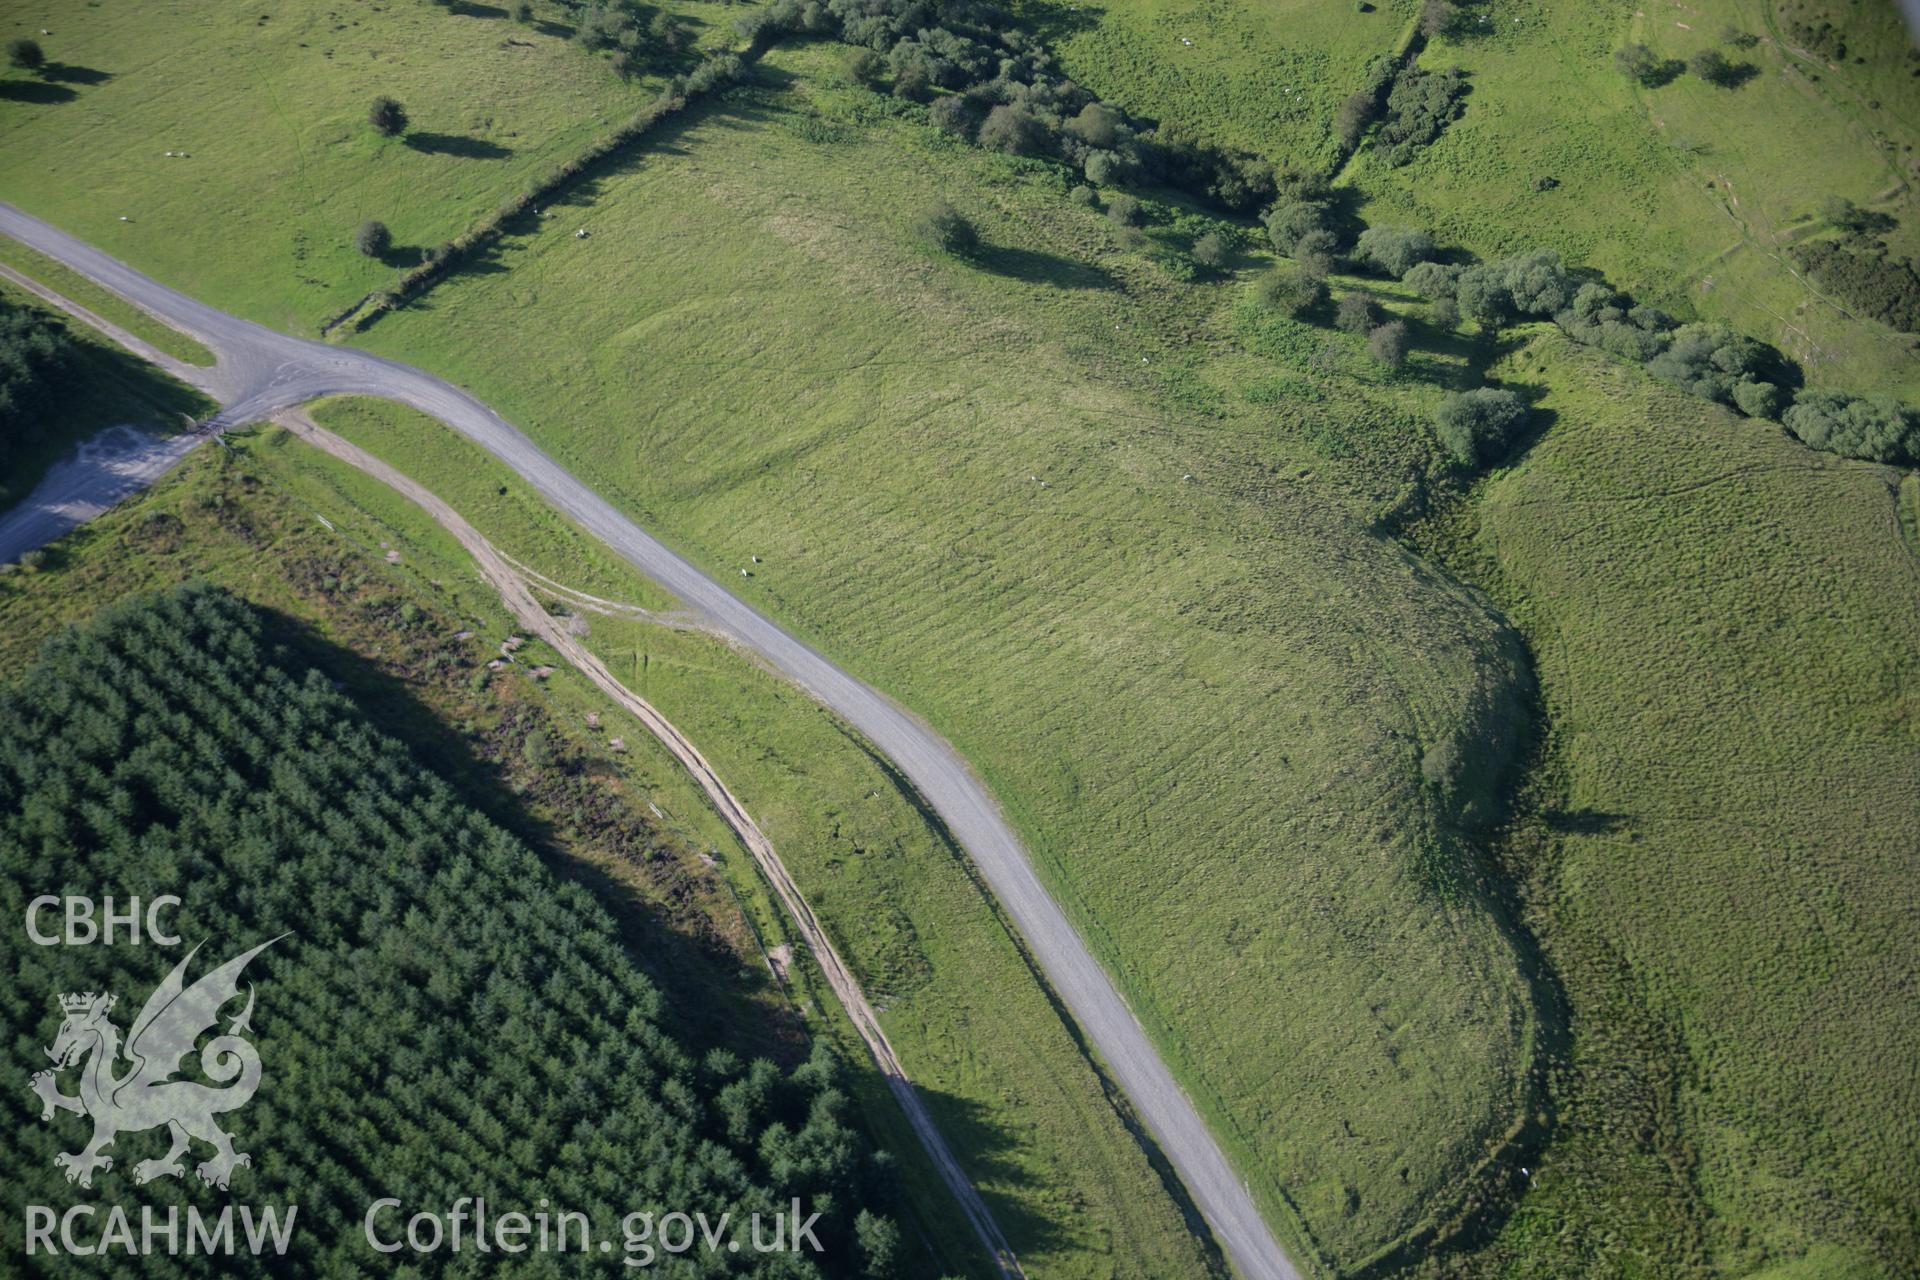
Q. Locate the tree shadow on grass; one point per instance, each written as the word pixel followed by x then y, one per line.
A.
pixel 1461 358
pixel 1052 21
pixel 453 144
pixel 1734 76
pixel 35 91
pixel 67 73
pixel 468 9
pixel 1663 73
pixel 1038 267
pixel 404 257
pixel 981 1142
pixel 1585 822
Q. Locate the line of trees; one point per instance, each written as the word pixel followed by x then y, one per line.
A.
pixel 1639 63
pixel 987 80
pixel 447 1018
pixel 1406 105
pixel 1707 360
pixel 629 38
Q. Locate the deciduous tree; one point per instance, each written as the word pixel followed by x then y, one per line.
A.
pixel 1388 344
pixel 372 238
pixel 27 55
pixel 387 116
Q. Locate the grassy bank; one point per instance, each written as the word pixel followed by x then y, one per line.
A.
pixel 110 307
pixel 1718 858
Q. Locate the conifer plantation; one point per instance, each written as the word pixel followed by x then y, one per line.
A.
pixel 446 1019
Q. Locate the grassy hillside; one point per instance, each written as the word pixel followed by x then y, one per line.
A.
pixel 269 104
pixel 1263 78
pixel 1205 702
pixel 1721 867
pixel 440 1015
pixel 1688 194
pixel 1022 1105
pixel 1114 529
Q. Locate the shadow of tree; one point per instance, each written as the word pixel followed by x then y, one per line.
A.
pixel 454 144
pixel 1735 75
pixel 1663 73
pixel 404 257
pixel 1585 822
pixel 1052 21
pixel 1039 267
pixel 67 73
pixel 35 91
pixel 469 9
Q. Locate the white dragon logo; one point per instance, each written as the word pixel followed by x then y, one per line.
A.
pixel 147 1096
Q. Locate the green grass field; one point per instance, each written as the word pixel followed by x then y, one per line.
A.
pixel 1261 78
pixel 1025 1109
pixel 1721 864
pixel 269 103
pixel 1205 703
pixel 1687 195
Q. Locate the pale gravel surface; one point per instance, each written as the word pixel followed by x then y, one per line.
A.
pixel 261 373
